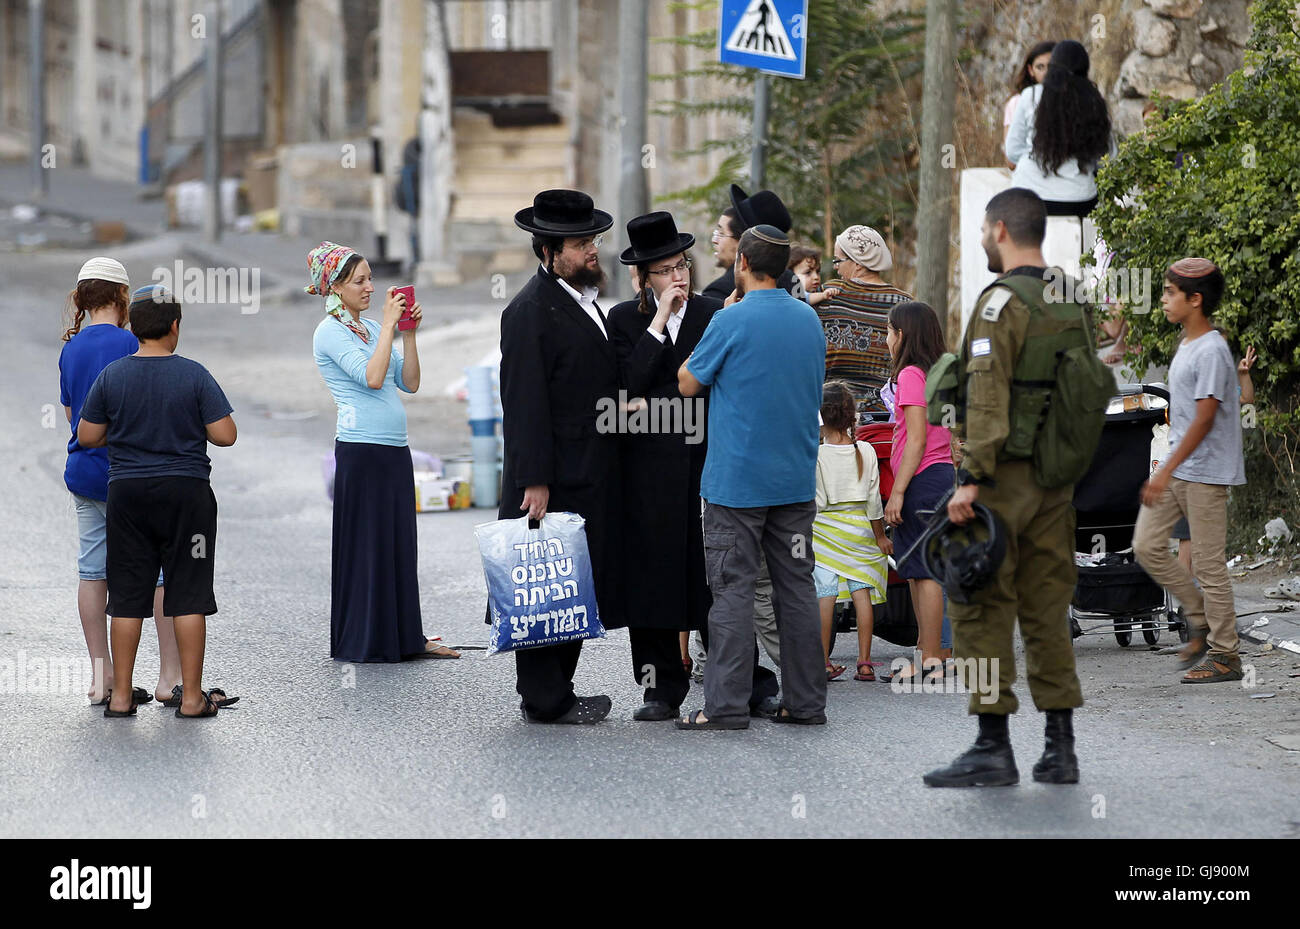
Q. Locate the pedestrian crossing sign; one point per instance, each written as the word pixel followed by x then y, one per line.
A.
pixel 770 35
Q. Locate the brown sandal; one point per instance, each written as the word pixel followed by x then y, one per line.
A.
pixel 868 675
pixel 1215 672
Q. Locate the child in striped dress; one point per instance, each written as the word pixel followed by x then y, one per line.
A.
pixel 848 505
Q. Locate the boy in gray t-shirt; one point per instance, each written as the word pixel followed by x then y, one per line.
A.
pixel 1205 459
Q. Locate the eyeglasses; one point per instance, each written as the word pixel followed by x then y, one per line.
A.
pixel 835 262
pixel 593 243
pixel 719 234
pixel 682 265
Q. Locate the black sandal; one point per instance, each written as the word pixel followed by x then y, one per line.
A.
pixel 110 713
pixel 692 721
pixel 178 692
pixel 785 716
pixel 209 709
pixel 138 695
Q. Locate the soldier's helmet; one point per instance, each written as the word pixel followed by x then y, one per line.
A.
pixel 965 559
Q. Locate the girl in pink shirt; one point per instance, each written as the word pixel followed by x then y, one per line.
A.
pixel 921 459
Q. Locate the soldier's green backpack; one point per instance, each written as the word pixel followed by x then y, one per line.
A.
pixel 1059 389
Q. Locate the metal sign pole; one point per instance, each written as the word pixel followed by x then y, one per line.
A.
pixel 758 156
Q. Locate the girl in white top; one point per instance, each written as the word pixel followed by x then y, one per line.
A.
pixel 848 504
pixel 1059 134
pixel 1031 73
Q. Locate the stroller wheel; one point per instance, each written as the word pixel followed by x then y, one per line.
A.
pixel 1151 635
pixel 1123 637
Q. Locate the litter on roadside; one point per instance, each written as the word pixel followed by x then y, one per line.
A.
pixel 1287 589
pixel 1261 696
pixel 1276 532
pixel 1289 742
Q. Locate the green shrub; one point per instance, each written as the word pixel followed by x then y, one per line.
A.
pixel 1219 178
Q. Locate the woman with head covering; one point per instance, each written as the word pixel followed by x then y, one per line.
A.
pixel 856 317
pixel 375 594
pixel 1059 134
pixel 96 337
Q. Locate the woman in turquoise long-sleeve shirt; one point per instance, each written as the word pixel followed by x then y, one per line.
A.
pixel 375 595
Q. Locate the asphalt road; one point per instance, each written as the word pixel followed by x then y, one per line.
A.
pixel 437 748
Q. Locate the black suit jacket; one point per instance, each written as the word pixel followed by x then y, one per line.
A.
pixel 664 581
pixel 557 369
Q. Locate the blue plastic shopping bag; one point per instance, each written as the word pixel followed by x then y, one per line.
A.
pixel 540 588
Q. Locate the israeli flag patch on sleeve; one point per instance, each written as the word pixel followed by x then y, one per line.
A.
pixel 980 347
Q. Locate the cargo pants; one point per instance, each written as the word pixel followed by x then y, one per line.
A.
pixel 1034 583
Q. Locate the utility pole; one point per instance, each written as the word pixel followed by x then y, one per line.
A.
pixel 938 164
pixel 633 25
pixel 212 94
pixel 758 154
pixel 36 33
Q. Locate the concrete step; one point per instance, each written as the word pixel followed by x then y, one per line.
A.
pixel 501 205
pixel 526 156
pixel 490 179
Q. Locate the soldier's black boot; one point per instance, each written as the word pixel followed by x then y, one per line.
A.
pixel 987 763
pixel 1058 764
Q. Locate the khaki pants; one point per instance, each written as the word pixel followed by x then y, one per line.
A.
pixel 1034 584
pixel 1206 509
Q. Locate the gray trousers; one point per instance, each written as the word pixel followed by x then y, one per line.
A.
pixel 733 541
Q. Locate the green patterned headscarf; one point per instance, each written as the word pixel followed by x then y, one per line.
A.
pixel 324 262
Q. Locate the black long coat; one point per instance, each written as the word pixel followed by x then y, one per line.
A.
pixel 665 586
pixel 557 370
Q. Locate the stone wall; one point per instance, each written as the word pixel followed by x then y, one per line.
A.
pixel 1139 48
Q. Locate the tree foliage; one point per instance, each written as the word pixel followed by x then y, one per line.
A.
pixel 842 142
pixel 1219 177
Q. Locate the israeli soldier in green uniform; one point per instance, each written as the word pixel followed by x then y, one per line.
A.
pixel 1010 361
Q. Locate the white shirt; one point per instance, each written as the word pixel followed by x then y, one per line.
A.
pixel 674 325
pixel 1070 183
pixel 586 300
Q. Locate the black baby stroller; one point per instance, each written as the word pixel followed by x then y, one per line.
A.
pixel 1113 593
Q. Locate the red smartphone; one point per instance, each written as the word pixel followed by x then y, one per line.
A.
pixel 406 321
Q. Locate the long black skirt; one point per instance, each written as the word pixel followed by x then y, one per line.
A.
pixel 375 594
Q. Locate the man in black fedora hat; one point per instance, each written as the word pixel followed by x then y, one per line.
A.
pixel 557 365
pixel 663 444
pixel 746 211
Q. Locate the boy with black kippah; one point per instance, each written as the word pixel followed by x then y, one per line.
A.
pixel 1205 459
pixel 156 412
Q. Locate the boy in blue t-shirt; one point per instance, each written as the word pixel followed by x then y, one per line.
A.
pixel 156 412
pixel 1205 459
pixel 764 359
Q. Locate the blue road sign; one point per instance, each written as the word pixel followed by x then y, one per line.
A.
pixel 770 35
